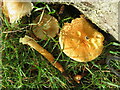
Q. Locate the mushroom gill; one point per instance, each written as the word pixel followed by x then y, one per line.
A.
pixel 80 41
pixel 14 10
pixel 47 27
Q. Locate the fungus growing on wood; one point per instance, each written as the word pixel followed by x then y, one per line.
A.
pixel 14 10
pixel 46 27
pixel 80 41
pixel 32 43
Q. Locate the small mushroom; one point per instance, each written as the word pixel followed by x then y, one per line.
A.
pixel 46 27
pixel 77 78
pixel 32 43
pixel 80 41
pixel 15 9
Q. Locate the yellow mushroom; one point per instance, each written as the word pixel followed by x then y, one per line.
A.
pixel 47 27
pixel 77 78
pixel 32 43
pixel 15 9
pixel 80 41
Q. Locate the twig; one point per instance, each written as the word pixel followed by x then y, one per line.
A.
pixel 14 31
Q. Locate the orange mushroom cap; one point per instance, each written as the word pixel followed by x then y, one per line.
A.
pixel 80 41
pixel 48 27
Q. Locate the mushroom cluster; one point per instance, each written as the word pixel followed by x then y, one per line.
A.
pixel 80 41
pixel 48 27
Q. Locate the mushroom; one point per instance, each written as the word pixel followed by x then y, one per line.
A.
pixel 15 9
pixel 77 78
pixel 47 27
pixel 80 41
pixel 32 43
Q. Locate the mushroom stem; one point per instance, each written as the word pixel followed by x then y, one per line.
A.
pixel 32 43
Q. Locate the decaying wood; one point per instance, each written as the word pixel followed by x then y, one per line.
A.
pixel 102 13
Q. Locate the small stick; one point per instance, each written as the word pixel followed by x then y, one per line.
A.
pixel 32 43
pixel 13 31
